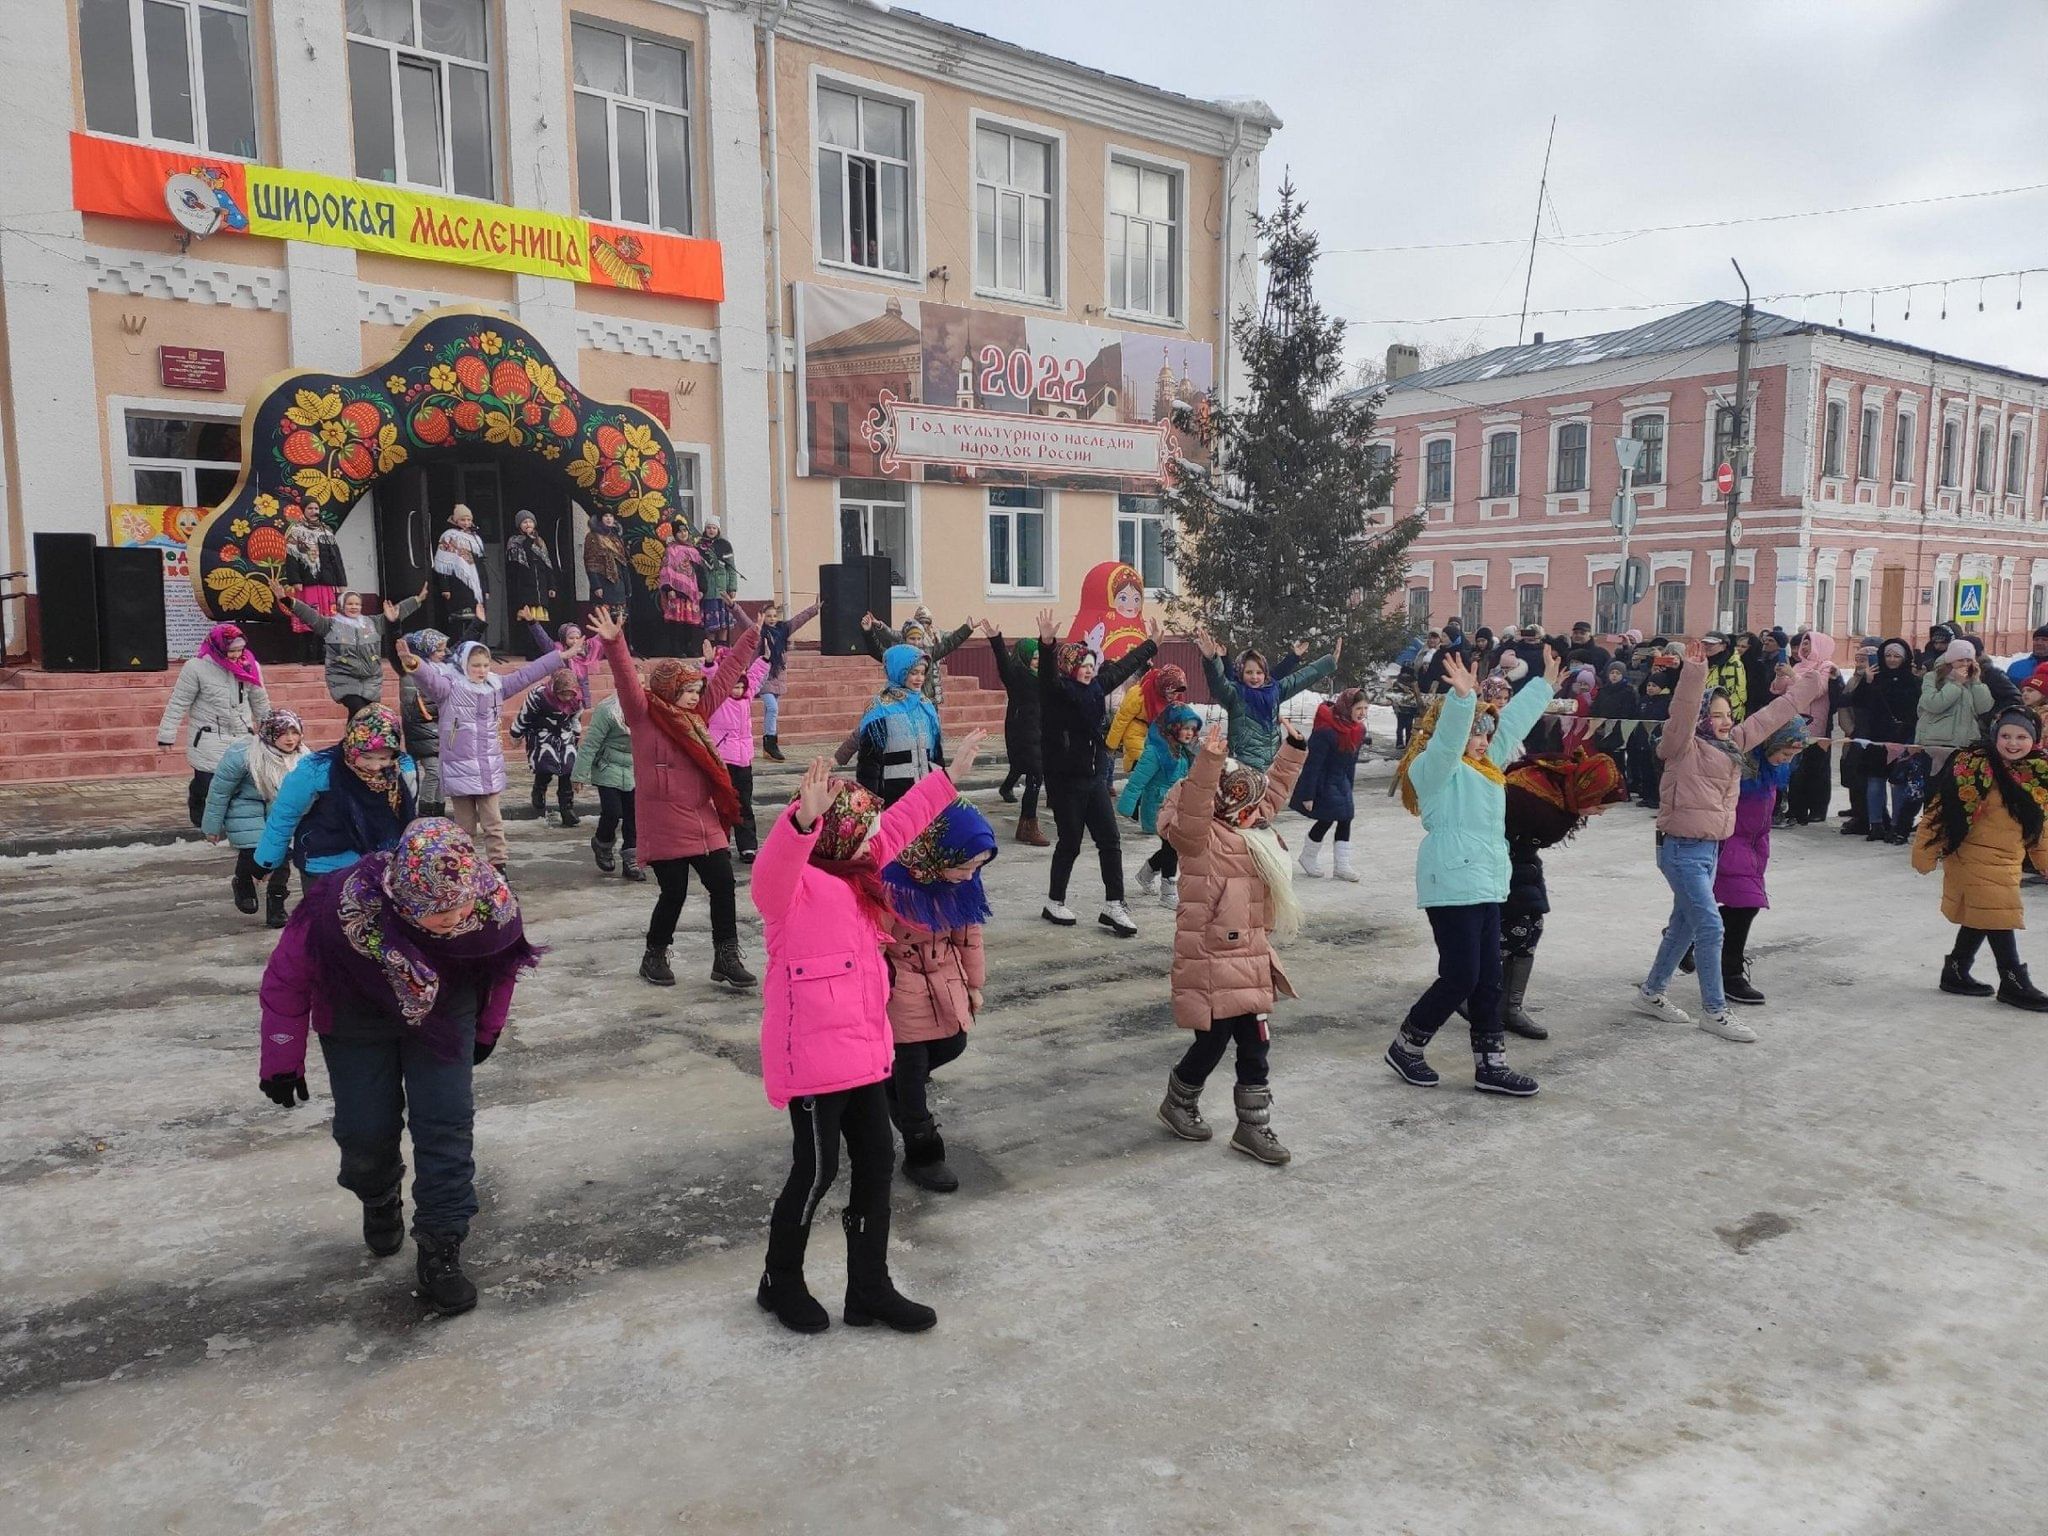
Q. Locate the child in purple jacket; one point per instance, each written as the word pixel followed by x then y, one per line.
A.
pixel 1746 854
pixel 404 966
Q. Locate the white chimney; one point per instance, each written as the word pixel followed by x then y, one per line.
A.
pixel 1402 360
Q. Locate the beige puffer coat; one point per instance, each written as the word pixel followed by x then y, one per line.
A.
pixel 1980 881
pixel 1223 966
pixel 933 973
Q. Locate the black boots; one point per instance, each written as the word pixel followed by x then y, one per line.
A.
pixel 782 1289
pixel 771 748
pixel 1738 988
pixel 245 893
pixel 727 967
pixel 602 852
pixel 654 967
pixel 924 1157
pixel 871 1297
pixel 2017 990
pixel 540 801
pixel 384 1224
pixel 273 908
pixel 1515 972
pixel 569 816
pixel 1956 978
pixel 629 864
pixel 443 1285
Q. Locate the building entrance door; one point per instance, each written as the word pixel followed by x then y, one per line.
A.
pixel 1891 602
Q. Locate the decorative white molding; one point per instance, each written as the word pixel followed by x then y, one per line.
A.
pixel 377 304
pixel 646 338
pixel 136 276
pixel 1537 566
pixel 1469 571
pixel 1421 570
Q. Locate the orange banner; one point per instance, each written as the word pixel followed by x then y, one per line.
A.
pixel 134 181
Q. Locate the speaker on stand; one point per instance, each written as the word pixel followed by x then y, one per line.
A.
pixel 67 602
pixel 842 598
pixel 131 609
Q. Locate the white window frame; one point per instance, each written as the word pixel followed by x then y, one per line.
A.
pixel 1179 171
pixel 1450 497
pixel 138 84
pixel 1869 441
pixel 1488 493
pixel 1628 429
pixel 1949 455
pixel 442 62
pixel 1049 511
pixel 1984 467
pixel 1162 517
pixel 1834 437
pixel 1906 423
pixel 911 527
pixel 1557 430
pixel 913 273
pixel 613 102
pixel 2016 445
pixel 1055 142
pixel 121 407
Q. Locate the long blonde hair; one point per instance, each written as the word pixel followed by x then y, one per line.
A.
pixel 1276 871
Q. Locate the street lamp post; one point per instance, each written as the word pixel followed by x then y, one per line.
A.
pixel 1628 453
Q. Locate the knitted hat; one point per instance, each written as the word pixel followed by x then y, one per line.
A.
pixel 1958 650
pixel 2026 719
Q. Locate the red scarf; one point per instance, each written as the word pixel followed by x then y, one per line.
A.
pixel 686 728
pixel 1350 733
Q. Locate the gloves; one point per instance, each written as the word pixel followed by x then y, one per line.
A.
pixel 482 1052
pixel 280 1088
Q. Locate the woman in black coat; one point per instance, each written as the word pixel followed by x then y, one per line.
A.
pixel 1615 700
pixel 1019 672
pixel 1884 702
pixel 531 582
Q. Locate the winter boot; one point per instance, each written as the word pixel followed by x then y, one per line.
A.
pixel 1181 1110
pixel 1311 861
pixel 1492 1074
pixel 782 1289
pixel 654 967
pixel 924 1157
pixel 1409 1065
pixel 443 1285
pixel 1878 832
pixel 1029 835
pixel 1739 988
pixel 1341 868
pixel 1148 877
pixel 629 864
pixel 1007 790
pixel 771 748
pixel 273 909
pixel 1956 978
pixel 1116 917
pixel 1515 971
pixel 384 1224
pixel 871 1297
pixel 1254 1134
pixel 569 816
pixel 540 801
pixel 244 887
pixel 602 852
pixel 727 967
pixel 2017 990
pixel 1169 893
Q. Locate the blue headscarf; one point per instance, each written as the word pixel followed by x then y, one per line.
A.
pixel 1261 704
pixel 917 892
pixel 897 699
pixel 1171 716
pixel 1760 776
pixel 425 642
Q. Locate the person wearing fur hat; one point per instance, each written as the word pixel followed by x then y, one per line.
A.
pixel 1702 782
pixel 1237 902
pixel 1954 699
pixel 826 1048
pixel 405 968
pixel 1746 854
pixel 550 723
pixel 1454 777
pixel 898 740
pixel 1130 730
pixel 1169 757
pixel 1986 818
pixel 1018 668
pixel 1323 793
pixel 937 908
pixel 238 800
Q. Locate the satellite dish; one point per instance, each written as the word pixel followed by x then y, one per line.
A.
pixel 192 205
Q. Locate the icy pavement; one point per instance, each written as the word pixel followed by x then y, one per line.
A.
pixel 1694 1286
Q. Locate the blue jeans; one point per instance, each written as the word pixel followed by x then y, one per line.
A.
pixel 771 712
pixel 1874 788
pixel 375 1083
pixel 1688 864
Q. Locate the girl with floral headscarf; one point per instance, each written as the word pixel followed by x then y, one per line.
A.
pixel 682 604
pixel 826 1044
pixel 251 772
pixel 935 958
pixel 404 966
pixel 220 694
pixel 1142 705
pixel 343 803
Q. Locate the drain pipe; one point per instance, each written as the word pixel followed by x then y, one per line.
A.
pixel 777 416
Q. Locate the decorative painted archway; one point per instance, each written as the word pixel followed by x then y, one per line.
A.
pixel 461 380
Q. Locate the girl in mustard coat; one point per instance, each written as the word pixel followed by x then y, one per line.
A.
pixel 1987 814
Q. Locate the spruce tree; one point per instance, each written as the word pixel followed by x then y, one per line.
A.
pixel 1275 540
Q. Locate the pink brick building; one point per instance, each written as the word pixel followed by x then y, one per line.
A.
pixel 1883 482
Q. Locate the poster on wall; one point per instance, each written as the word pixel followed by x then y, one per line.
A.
pixel 166 529
pixel 906 389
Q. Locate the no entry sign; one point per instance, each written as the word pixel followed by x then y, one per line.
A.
pixel 1724 478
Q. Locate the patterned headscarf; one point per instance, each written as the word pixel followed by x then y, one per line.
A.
pixel 375 729
pixel 565 689
pixel 243 668
pixel 276 723
pixel 1495 688
pixel 917 888
pixel 846 823
pixel 1070 655
pixel 1239 793
pixel 436 868
pixel 426 643
pixel 268 763
pixel 1162 686
pixel 667 678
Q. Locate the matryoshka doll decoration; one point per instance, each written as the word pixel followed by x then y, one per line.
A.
pixel 1112 614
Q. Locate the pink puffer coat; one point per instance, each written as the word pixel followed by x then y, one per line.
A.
pixel 825 999
pixel 1701 781
pixel 934 974
pixel 673 805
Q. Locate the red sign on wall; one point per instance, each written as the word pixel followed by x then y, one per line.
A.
pixel 193 368
pixel 654 402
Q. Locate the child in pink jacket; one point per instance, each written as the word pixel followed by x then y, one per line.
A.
pixel 732 735
pixel 826 1046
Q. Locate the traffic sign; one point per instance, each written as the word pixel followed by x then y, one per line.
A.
pixel 1632 581
pixel 1970 599
pixel 1735 531
pixel 1724 478
pixel 1624 514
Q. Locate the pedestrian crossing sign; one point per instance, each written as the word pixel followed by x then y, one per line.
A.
pixel 1970 599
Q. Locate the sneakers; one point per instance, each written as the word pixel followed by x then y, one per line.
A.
pixel 1655 1005
pixel 1492 1074
pixel 1410 1066
pixel 1116 917
pixel 1058 912
pixel 1725 1025
pixel 1148 878
pixel 1311 861
pixel 1169 893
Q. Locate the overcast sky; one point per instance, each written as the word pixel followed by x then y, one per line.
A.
pixel 1423 121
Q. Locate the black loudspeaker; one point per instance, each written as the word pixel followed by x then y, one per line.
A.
pixel 843 598
pixel 881 586
pixel 131 602
pixel 67 602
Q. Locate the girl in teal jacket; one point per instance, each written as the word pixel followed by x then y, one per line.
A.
pixel 1454 778
pixel 1170 747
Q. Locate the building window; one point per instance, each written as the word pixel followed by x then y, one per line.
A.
pixel 1418 609
pixel 1824 605
pixel 183 461
pixel 1671 607
pixel 1724 439
pixel 1942 611
pixel 1471 608
pixel 1607 608
pixel 1866 444
pixel 632 129
pixel 1141 539
pixel 1436 477
pixel 420 93
pixel 2016 464
pixel 682 490
pixel 1831 441
pixel 1987 458
pixel 193 84
pixel 1649 431
pixel 1859 605
pixel 863 180
pixel 1378 456
pixel 1016 539
pixel 1571 457
pixel 1902 448
pixel 1741 622
pixel 1501 454
pixel 1144 240
pixel 2037 608
pixel 1951 442
pixel 874 519
pixel 1529 605
pixel 1015 234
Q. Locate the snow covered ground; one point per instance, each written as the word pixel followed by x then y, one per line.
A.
pixel 1693 1286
